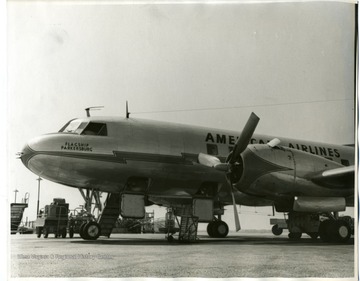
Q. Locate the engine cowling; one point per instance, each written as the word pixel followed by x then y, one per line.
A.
pixel 319 204
pixel 279 171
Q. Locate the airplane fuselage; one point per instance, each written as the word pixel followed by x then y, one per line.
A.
pixel 167 155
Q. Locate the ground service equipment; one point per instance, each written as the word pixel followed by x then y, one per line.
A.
pixel 54 219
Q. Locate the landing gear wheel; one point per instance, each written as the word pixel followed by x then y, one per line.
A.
pixel 340 231
pixel 46 232
pixel 209 229
pixel 276 230
pixel 81 231
pixel 170 238
pixel 220 229
pixel 324 231
pixel 63 233
pixel 294 235
pixel 92 230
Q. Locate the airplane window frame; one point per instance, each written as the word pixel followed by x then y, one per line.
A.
pixel 81 127
pixel 90 131
pixel 71 126
pixel 67 124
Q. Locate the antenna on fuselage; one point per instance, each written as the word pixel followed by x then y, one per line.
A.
pixel 92 108
pixel 127 111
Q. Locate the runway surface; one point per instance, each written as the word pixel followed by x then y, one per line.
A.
pixel 150 255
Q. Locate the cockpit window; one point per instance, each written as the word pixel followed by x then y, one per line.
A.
pixel 96 129
pixel 81 127
pixel 71 126
pixel 76 126
pixel 63 127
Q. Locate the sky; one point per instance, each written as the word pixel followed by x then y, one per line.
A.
pixel 200 64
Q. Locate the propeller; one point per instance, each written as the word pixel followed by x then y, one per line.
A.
pixel 233 159
pixel 245 137
pixel 236 215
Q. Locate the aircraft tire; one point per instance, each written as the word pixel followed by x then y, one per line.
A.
pixel 81 231
pixel 220 229
pixel 294 235
pixel 340 231
pixel 209 229
pixel 276 230
pixel 92 230
pixel 324 231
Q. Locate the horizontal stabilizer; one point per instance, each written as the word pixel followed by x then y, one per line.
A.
pixel 336 178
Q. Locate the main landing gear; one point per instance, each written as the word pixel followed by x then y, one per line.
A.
pixel 217 229
pixel 90 230
pixel 330 227
pixel 334 231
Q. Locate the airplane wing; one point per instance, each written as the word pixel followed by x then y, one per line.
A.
pixel 343 177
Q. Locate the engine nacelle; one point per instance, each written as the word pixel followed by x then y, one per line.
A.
pixel 279 171
pixel 319 204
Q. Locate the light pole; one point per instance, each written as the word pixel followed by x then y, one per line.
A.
pixel 16 191
pixel 37 210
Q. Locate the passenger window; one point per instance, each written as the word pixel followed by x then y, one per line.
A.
pixel 212 149
pixel 345 162
pixel 95 129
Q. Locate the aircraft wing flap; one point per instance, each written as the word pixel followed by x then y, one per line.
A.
pixel 336 178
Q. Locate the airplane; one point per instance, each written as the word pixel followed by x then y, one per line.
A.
pixel 197 171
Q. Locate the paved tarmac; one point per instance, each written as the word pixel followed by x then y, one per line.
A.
pixel 150 255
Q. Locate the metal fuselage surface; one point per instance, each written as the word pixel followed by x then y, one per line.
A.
pixel 167 155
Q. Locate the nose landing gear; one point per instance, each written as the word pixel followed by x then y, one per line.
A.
pixel 90 231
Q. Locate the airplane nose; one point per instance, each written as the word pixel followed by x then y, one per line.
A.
pixel 31 148
pixel 26 154
pixel 41 154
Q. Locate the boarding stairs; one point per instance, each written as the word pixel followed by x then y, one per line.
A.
pixel 17 211
pixel 188 225
pixel 110 214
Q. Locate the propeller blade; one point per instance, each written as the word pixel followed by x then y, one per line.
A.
pixel 245 137
pixel 236 215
